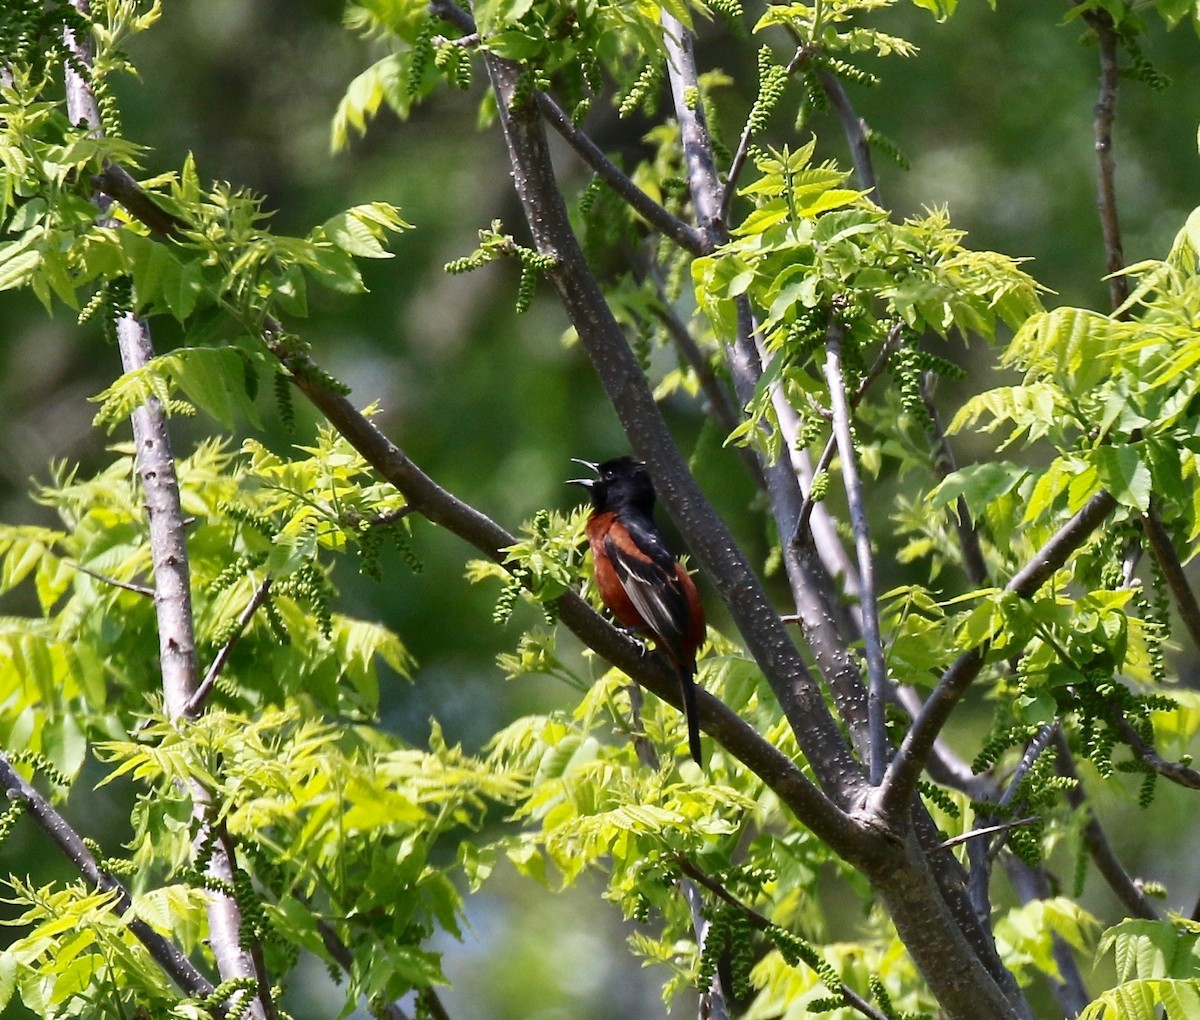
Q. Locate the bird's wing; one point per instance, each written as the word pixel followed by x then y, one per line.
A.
pixel 647 572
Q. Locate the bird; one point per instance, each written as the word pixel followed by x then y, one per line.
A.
pixel 640 581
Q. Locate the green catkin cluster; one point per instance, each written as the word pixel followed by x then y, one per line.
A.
pixel 883 144
pixel 796 951
pixel 309 586
pixel 40 764
pixel 642 348
pixel 368 545
pixel 89 310
pixel 589 196
pixel 1140 68
pixel 729 931
pixel 880 994
pixel 238 569
pixel 819 488
pixel 719 148
pixel 9 818
pixel 256 926
pixel 903 367
pixel 847 71
pixel 275 622
pixel 404 547
pixel 643 90
pixel 691 97
pixel 309 371
pixel 526 289
pixel 580 111
pixel 1156 619
pixel 478 258
pixel 1079 877
pixel 422 51
pixel 731 10
pixel 107 103
pixel 506 601
pixel 523 90
pixel 454 62
pixel 216 1003
pixel 117 302
pixel 1002 737
pixel 284 401
pixel 936 795
pixel 772 79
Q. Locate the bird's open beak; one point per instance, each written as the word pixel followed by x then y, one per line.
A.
pixel 587 483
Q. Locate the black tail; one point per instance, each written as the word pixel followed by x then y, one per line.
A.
pixel 687 686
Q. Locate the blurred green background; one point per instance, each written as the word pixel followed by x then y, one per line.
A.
pixel 995 116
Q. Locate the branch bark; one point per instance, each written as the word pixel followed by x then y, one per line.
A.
pixel 1101 24
pixel 876 668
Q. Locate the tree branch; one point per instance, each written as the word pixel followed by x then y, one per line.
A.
pixel 900 781
pixel 1101 850
pixel 166 954
pixel 1101 24
pixel 196 702
pixel 943 464
pixel 855 130
pixel 876 668
pixel 683 234
pixel 877 366
pixel 169 555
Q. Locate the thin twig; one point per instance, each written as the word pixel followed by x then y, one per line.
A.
pixel 1101 24
pixel 165 953
pixel 683 234
pixel 1094 836
pixel 763 923
pixel 987 830
pixel 1176 772
pixel 196 703
pixel 873 639
pixel 890 344
pixel 138 589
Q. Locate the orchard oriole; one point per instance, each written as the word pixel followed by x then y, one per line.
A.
pixel 638 578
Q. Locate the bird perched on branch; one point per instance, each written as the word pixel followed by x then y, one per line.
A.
pixel 638 578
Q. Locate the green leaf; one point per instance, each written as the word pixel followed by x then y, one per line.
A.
pixel 215 380
pixel 978 484
pixel 1125 475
